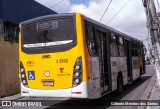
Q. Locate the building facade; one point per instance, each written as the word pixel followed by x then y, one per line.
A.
pixel 153 25
pixel 12 12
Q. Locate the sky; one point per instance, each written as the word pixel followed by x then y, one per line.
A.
pixel 131 19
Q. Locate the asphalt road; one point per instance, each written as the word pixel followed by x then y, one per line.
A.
pixel 130 92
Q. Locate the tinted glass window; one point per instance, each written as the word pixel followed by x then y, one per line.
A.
pixel 113 50
pixel 113 38
pixel 120 40
pixel 89 32
pixel 48 33
pixel 121 51
pixel 91 43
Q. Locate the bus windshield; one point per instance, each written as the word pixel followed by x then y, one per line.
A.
pixel 47 33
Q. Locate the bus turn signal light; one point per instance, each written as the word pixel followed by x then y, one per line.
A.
pixel 23 75
pixel 77 72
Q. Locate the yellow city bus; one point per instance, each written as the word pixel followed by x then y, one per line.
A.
pixel 71 55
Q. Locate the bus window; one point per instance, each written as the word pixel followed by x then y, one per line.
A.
pixel 89 32
pixel 136 52
pixel 90 40
pixel 92 48
pixel 133 48
pixel 113 45
pixel 114 50
pixel 136 49
pixel 121 50
pixel 50 35
pixel 121 46
pixel 52 31
pixel 139 52
pixel 113 38
pixel 120 40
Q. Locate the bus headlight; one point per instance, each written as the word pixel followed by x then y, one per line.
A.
pixel 77 75
pixel 23 75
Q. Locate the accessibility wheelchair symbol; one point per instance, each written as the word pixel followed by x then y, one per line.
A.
pixel 31 75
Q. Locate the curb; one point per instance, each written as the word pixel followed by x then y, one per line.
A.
pixel 149 90
pixel 147 94
pixel 155 93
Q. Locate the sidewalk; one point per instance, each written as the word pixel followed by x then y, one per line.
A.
pixel 155 93
pixel 147 94
pixel 13 97
pixel 153 90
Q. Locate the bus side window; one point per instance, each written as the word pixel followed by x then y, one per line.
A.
pixel 113 38
pixel 121 46
pixel 135 49
pixel 132 48
pixel 114 50
pixel 89 32
pixel 121 40
pixel 90 40
pixel 121 51
pixel 92 48
pixel 113 45
pixel 139 49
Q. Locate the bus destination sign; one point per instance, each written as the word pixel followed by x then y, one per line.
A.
pixel 47 25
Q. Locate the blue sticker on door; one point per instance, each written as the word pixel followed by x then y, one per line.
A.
pixel 31 75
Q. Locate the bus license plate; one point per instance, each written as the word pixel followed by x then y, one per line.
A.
pixel 48 83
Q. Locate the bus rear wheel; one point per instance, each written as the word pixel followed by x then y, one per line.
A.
pixel 119 85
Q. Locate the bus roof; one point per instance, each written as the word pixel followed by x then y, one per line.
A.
pixel 112 29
